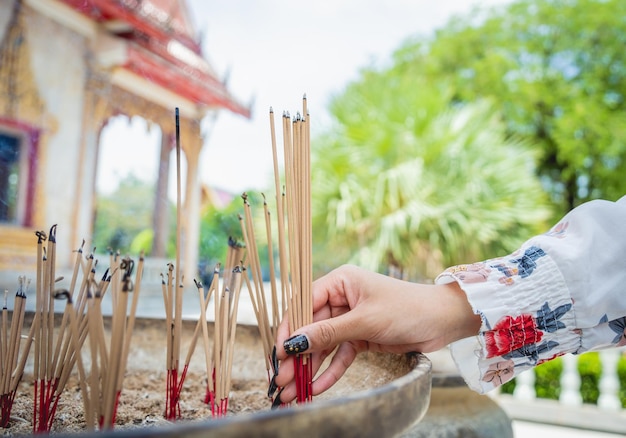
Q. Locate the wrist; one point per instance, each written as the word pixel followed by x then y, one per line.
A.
pixel 459 318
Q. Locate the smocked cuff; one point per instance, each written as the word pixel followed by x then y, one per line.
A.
pixel 526 311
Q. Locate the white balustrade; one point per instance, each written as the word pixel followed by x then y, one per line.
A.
pixel 609 381
pixel 525 386
pixel 570 382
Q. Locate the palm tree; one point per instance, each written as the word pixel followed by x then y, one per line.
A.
pixel 402 181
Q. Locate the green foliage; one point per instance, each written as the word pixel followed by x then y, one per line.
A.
pixel 142 242
pixel 621 372
pixel 590 370
pixel 403 180
pixel 123 215
pixel 547 375
pixel 556 70
pixel 220 226
pixel 216 227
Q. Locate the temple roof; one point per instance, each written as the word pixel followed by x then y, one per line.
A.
pixel 161 43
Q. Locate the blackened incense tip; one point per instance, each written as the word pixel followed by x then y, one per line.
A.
pixel 271 110
pixel 198 284
pixel 304 96
pixel 41 236
pixel 53 233
pixel 177 113
pixel 63 294
pixel 216 270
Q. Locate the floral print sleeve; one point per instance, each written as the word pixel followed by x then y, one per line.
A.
pixel 561 292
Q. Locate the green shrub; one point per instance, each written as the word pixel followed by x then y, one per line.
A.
pixel 547 379
pixel 621 372
pixel 590 370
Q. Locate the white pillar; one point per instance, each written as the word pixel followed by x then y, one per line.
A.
pixel 525 385
pixel 570 382
pixel 609 381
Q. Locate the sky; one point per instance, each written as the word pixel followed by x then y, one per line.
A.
pixel 273 52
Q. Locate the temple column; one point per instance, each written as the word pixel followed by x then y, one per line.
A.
pixel 191 210
pixel 160 218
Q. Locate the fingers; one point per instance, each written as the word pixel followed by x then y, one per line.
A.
pixel 286 377
pixel 322 335
pixel 340 362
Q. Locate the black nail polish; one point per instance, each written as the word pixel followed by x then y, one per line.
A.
pixel 296 344
pixel 273 387
pixel 277 402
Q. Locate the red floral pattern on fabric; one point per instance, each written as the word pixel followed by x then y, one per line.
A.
pixel 511 333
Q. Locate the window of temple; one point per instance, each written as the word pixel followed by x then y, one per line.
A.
pixel 13 176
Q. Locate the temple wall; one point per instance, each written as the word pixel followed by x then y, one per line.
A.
pixel 59 69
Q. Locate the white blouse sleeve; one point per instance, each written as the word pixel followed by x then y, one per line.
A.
pixel 562 292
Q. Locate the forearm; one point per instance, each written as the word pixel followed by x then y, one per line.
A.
pixel 562 292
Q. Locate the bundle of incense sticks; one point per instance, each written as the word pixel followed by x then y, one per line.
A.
pixel 218 360
pixel 108 365
pixel 82 319
pixel 11 370
pixel 53 367
pixel 226 305
pixel 293 205
pixel 256 288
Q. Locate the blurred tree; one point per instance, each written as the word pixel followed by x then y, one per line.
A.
pixel 216 227
pixel 123 214
pixel 222 227
pixel 556 69
pixel 404 181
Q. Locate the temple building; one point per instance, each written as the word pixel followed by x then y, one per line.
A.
pixel 66 68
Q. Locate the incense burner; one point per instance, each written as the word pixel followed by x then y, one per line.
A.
pixel 380 395
pixel 381 411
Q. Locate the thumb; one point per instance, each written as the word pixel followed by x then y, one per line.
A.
pixel 322 335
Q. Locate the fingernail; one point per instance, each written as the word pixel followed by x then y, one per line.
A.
pixel 272 389
pixel 296 344
pixel 277 402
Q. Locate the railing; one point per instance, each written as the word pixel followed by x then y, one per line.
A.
pixel 607 415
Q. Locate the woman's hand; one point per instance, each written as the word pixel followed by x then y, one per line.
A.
pixel 358 310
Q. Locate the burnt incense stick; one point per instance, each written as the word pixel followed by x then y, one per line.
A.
pixel 173 296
